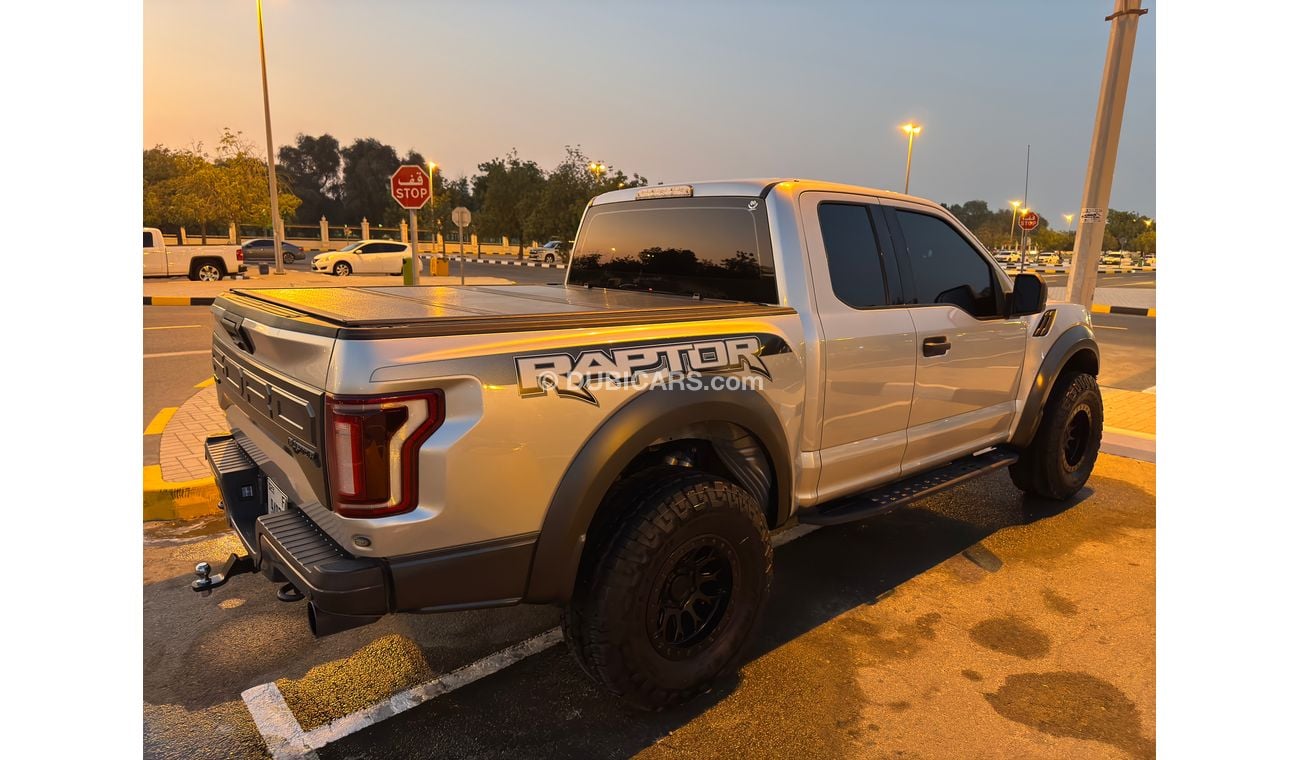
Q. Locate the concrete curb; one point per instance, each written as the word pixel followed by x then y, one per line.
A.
pixel 1057 270
pixel 177 301
pixel 1129 443
pixel 178 501
pixel 1132 311
pixel 513 262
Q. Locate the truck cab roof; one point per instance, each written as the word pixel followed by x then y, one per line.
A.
pixel 754 188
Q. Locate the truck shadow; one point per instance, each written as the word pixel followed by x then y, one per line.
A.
pixel 545 706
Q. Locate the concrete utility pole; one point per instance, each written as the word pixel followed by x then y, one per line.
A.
pixel 1105 145
pixel 270 152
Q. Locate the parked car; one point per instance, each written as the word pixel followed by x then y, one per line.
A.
pixel 1049 258
pixel 263 249
pixel 1113 259
pixel 207 263
pixel 364 257
pixel 1006 257
pixel 625 443
pixel 553 251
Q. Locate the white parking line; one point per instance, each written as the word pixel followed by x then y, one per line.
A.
pixel 1108 327
pixel 285 738
pixel 173 327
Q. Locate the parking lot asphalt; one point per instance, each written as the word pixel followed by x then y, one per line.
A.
pixel 974 623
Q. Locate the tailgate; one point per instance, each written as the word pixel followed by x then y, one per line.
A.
pixel 271 378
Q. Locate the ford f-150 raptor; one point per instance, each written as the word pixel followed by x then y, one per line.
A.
pixel 723 359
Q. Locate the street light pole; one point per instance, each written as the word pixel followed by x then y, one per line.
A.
pixel 1082 285
pixel 1011 237
pixel 270 151
pixel 912 131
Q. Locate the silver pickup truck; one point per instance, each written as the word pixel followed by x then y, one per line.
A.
pixel 725 359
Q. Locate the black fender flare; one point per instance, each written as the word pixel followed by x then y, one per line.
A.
pixel 1073 341
pixel 646 418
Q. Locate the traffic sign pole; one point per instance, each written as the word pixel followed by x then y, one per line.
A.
pixel 411 188
pixel 460 217
pixel 415 251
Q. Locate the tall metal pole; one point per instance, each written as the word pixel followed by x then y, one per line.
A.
pixel 270 151
pixel 1023 232
pixel 1082 285
pixel 415 251
pixel 907 175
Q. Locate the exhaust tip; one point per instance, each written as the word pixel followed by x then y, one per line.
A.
pixel 324 623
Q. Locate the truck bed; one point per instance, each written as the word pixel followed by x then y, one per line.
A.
pixel 400 311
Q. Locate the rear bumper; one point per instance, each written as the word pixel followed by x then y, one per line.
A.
pixel 288 547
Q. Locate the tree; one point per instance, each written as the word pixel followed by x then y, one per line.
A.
pixel 1146 242
pixel 568 189
pixel 184 187
pixel 367 166
pixel 507 191
pixel 1125 226
pixel 311 169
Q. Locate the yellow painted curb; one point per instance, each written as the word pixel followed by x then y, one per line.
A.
pixel 160 420
pixel 178 501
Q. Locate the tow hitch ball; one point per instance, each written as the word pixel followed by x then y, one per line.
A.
pixel 235 565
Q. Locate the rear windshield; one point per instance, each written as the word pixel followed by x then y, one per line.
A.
pixel 710 247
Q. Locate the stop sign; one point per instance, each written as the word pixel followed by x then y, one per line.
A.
pixel 410 186
pixel 1029 221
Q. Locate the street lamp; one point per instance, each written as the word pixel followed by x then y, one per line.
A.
pixel 597 170
pixel 912 131
pixel 270 152
pixel 1015 205
pixel 1069 221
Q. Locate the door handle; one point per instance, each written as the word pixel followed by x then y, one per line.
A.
pixel 936 346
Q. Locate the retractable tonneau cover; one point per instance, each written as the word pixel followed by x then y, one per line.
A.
pixel 390 312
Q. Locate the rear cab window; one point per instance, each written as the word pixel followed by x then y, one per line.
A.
pixel 711 247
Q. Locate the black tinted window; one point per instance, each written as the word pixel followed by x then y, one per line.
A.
pixel 945 268
pixel 148 239
pixel 852 254
pixel 711 247
pixel 259 244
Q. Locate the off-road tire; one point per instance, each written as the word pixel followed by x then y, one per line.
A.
pixel 342 269
pixel 1058 461
pixel 615 622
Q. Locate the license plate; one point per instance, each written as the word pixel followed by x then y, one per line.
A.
pixel 276 500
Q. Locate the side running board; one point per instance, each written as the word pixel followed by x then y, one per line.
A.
pixel 894 495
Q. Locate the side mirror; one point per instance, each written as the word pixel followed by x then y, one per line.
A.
pixel 1028 294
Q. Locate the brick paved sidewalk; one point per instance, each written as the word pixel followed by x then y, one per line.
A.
pixel 1129 411
pixel 181 450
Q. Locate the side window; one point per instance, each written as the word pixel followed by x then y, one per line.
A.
pixel 148 239
pixel 946 268
pixel 370 248
pixel 853 254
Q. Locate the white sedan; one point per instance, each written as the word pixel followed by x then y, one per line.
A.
pixel 364 257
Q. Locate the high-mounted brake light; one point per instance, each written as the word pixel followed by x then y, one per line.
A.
pixel 665 191
pixel 372 443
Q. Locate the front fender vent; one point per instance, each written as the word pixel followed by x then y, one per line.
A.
pixel 1045 323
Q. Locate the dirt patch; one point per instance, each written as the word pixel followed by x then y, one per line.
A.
pixel 1012 635
pixel 1075 705
pixel 374 673
pixel 904 644
pixel 1059 604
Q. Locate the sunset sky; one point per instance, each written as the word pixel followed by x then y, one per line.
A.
pixel 677 91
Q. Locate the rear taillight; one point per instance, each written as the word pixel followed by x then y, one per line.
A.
pixel 372 443
pixel 239 254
